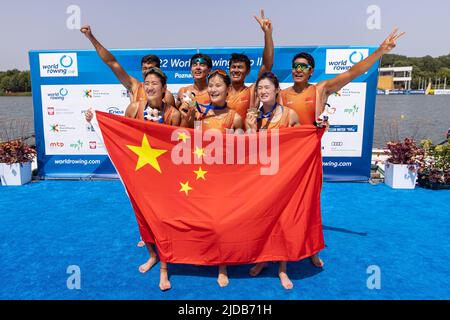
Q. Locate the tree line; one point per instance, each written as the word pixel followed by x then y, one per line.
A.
pixel 13 81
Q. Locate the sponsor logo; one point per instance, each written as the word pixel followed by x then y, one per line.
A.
pixel 56 128
pixel 58 95
pixel 87 93
pixel 77 145
pixel 343 128
pixel 58 64
pixel 346 92
pixel 59 111
pixel 115 110
pixel 56 144
pixel 94 93
pixel 92 144
pixel 341 60
pixel 352 110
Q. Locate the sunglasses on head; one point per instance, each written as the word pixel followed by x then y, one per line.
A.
pixel 199 60
pixel 218 71
pixel 300 65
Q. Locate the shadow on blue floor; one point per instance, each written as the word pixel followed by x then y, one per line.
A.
pixel 47 226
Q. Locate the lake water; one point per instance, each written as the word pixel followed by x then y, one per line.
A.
pixel 395 117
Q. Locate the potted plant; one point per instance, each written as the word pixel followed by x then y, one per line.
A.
pixel 434 166
pixel 402 165
pixel 15 162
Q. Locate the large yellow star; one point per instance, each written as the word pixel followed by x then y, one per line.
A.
pixel 200 173
pixel 185 187
pixel 182 136
pixel 199 152
pixel 147 155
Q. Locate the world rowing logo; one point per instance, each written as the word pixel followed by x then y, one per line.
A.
pixel 356 57
pixel 66 61
pixel 58 64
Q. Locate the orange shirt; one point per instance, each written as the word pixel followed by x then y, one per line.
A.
pixel 240 102
pixel 202 97
pixel 283 122
pixel 303 103
pixel 219 123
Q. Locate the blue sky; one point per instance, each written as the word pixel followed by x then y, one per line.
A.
pixel 26 25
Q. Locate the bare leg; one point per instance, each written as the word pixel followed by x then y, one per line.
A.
pixel 285 281
pixel 164 283
pixel 316 261
pixel 143 268
pixel 222 279
pixel 258 268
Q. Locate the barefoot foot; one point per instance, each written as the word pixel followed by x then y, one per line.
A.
pixel 285 281
pixel 143 268
pixel 316 261
pixel 222 279
pixel 164 283
pixel 258 268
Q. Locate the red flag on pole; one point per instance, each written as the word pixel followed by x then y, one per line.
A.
pixel 209 198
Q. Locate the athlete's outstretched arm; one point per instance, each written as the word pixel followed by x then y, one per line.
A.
pixel 268 53
pixel 337 83
pixel 128 81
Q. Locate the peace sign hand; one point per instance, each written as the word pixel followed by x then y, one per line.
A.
pixel 389 43
pixel 265 23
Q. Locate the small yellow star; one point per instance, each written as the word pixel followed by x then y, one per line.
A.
pixel 182 136
pixel 200 173
pixel 185 187
pixel 199 152
pixel 147 155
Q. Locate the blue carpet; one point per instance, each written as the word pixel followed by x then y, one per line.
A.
pixel 47 226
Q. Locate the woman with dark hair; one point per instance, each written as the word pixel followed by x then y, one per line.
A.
pixel 154 108
pixel 270 114
pixel 216 116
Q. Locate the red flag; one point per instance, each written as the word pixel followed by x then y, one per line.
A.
pixel 210 198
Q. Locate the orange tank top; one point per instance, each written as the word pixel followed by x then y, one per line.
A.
pixel 240 102
pixel 303 103
pixel 202 97
pixel 222 123
pixel 268 124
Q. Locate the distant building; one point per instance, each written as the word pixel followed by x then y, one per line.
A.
pixel 395 78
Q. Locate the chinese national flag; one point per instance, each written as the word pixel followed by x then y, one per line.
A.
pixel 204 201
